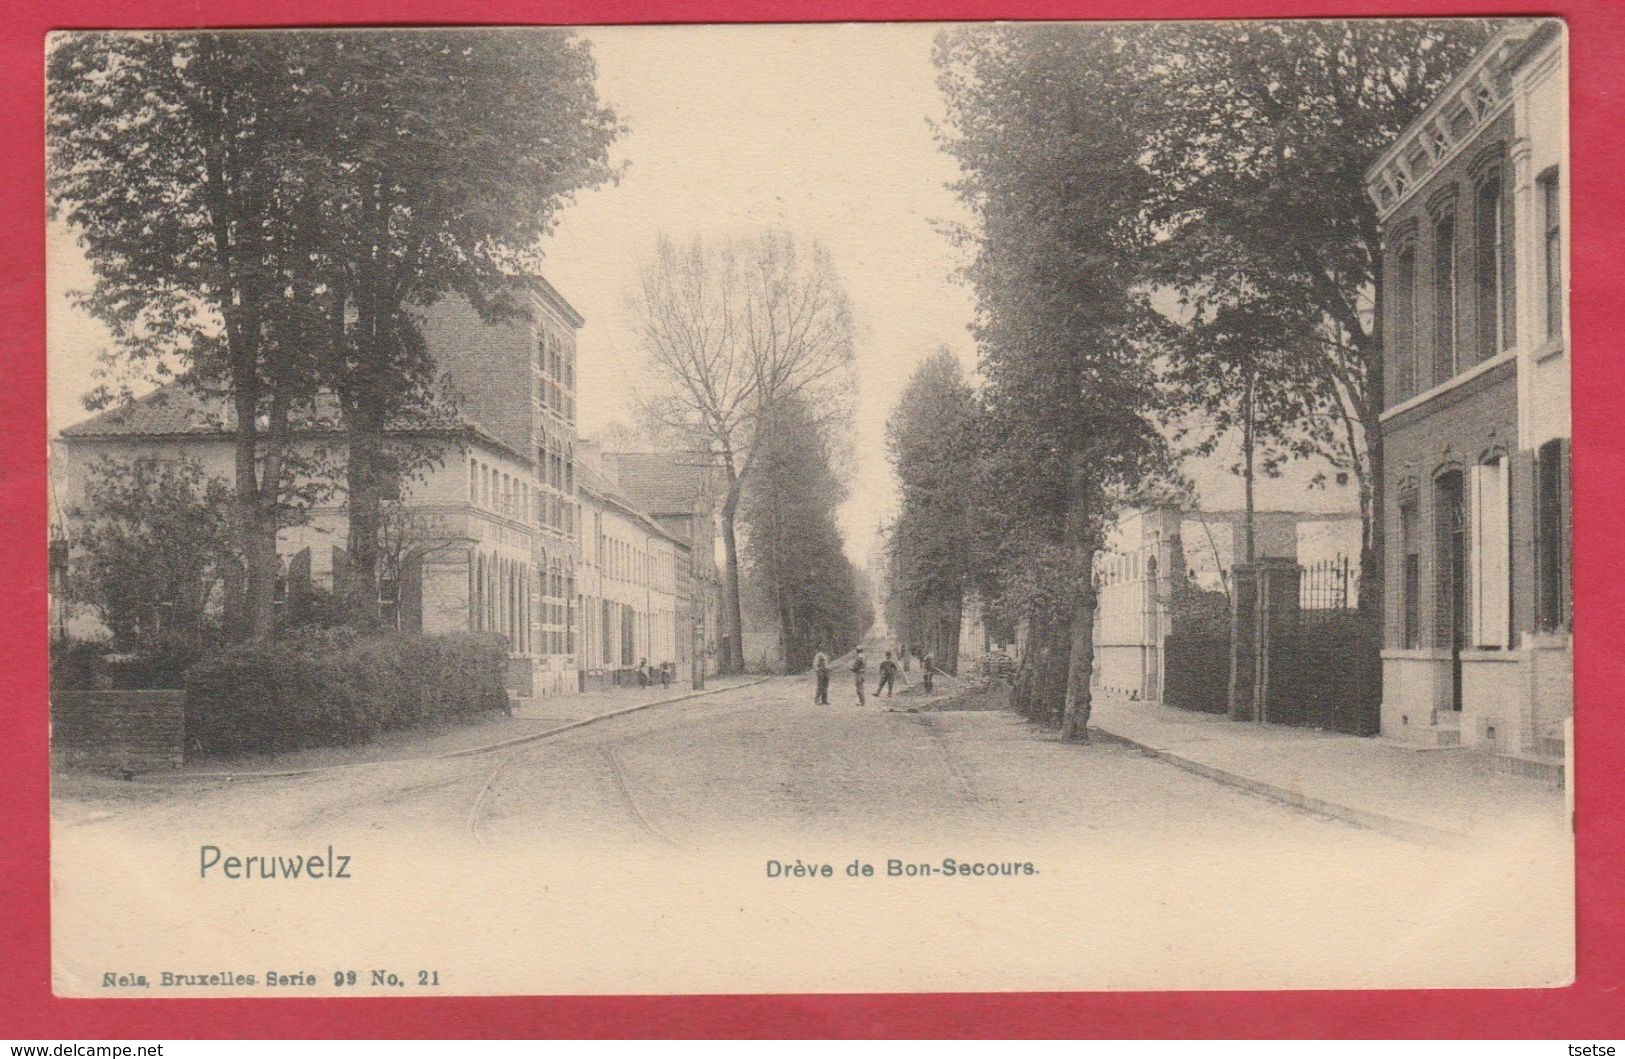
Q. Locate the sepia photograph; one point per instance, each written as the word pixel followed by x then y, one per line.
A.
pixel 810 508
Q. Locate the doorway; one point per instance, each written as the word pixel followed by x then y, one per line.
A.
pixel 1450 521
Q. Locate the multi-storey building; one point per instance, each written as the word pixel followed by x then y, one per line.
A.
pixel 517 380
pixel 483 538
pixel 503 530
pixel 1472 199
pixel 680 492
pixel 629 587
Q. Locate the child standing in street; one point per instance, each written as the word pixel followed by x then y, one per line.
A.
pixel 857 674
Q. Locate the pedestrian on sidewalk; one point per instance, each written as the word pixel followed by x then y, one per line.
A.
pixel 888 677
pixel 643 672
pixel 857 674
pixel 821 672
pixel 928 666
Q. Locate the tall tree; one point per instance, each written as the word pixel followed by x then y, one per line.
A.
pixel 166 154
pixel 793 550
pixel 1258 148
pixel 435 162
pixel 1042 122
pixel 931 439
pixel 268 210
pixel 733 331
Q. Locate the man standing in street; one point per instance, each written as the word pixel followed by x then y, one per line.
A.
pixel 821 672
pixel 888 677
pixel 857 674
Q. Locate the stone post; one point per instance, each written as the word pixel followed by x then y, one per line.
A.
pixel 1243 640
pixel 1277 607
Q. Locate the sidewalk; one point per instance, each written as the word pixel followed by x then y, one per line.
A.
pixel 533 719
pixel 1423 795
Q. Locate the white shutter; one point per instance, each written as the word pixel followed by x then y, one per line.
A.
pixel 1491 557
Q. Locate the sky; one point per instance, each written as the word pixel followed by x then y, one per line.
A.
pixel 820 130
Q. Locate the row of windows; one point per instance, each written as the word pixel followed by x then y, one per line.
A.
pixel 493 490
pixel 556 362
pixel 514 497
pixel 618 635
pixel 500 600
pixel 621 560
pixel 1422 361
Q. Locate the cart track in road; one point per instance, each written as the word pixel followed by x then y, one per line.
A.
pixel 950 759
pixel 599 737
pixel 619 775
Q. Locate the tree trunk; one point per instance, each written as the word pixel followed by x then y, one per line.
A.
pixel 732 614
pixel 1081 546
pixel 364 436
pixel 1247 443
pixel 257 526
pixel 1050 672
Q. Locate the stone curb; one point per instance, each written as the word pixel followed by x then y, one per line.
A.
pixel 1394 826
pixel 465 752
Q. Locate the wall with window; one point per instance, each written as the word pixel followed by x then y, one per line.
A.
pixel 1449 269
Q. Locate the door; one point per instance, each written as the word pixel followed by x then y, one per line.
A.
pixel 1451 525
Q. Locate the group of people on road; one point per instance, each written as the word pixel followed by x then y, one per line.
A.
pixel 887 682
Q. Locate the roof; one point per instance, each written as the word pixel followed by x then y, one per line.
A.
pixel 1475 92
pixel 662 483
pixel 171 410
pixel 550 294
pixel 178 409
pixel 590 480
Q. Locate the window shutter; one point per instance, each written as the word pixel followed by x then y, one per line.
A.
pixel 1565 497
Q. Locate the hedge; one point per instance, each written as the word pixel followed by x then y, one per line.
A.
pixel 337 687
pixel 95 666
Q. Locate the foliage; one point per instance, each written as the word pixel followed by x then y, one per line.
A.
pixel 931 439
pixel 338 687
pixel 1257 149
pixel 170 157
pixel 262 212
pixel 734 331
pixel 433 164
pixel 798 568
pixel 153 549
pixel 1041 121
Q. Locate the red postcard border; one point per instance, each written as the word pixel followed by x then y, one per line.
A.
pixel 1591 1007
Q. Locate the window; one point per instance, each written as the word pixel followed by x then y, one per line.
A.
pixel 1491 554
pixel 473 482
pixel 1406 380
pixel 1491 247
pixel 1551 210
pixel 1552 520
pixel 1444 299
pixel 1410 545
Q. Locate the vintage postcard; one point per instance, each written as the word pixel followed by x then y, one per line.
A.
pixel 810 508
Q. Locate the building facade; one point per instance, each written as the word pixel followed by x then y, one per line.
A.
pixel 489 536
pixel 681 492
pixel 629 588
pixel 1472 198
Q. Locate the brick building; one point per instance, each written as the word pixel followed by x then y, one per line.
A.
pixel 1472 199
pixel 487 537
